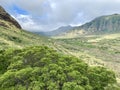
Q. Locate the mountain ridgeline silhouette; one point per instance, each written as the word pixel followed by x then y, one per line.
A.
pixel 4 16
pixel 100 25
pixel 104 23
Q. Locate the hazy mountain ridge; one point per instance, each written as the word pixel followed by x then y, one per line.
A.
pixel 100 25
pixel 59 31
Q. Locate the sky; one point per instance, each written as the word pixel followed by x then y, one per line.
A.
pixel 46 15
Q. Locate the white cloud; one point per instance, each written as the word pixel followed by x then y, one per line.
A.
pixel 49 14
pixel 27 22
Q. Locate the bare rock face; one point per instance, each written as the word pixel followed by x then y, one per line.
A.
pixel 6 17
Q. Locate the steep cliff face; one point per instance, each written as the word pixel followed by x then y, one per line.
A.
pixel 4 16
pixel 104 23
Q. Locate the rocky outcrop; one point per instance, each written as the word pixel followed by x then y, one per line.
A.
pixel 6 17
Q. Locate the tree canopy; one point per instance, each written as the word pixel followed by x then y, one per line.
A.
pixel 42 68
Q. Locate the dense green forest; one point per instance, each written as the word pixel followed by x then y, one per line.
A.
pixel 42 68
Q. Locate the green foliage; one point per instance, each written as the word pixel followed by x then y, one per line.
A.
pixel 95 49
pixel 17 38
pixel 42 68
pixel 100 77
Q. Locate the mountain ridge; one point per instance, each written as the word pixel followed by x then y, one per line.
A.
pixel 99 25
pixel 61 30
pixel 4 16
pixel 106 22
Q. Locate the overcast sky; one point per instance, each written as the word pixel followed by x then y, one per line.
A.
pixel 44 15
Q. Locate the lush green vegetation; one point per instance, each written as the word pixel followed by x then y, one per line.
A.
pixel 16 38
pixel 95 49
pixel 42 68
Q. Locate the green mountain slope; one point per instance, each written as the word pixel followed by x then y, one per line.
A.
pixel 17 38
pixel 105 24
pixel 101 25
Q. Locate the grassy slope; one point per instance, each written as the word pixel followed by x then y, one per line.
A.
pixel 94 49
pixel 15 38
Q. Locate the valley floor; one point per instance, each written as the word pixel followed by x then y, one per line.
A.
pixel 103 50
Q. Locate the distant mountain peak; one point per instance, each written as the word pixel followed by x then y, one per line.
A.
pixel 6 17
pixel 63 27
pixel 59 31
pixel 116 14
